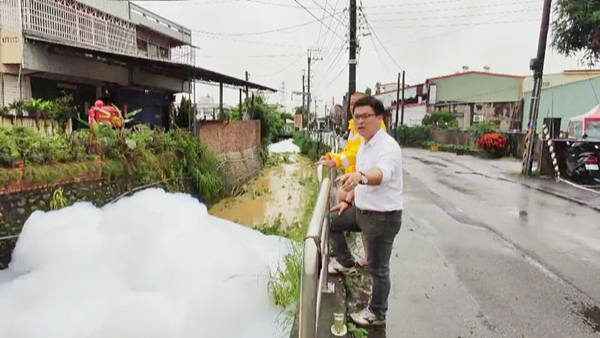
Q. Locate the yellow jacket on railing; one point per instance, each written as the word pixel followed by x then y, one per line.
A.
pixel 347 158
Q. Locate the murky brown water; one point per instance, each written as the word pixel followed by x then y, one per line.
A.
pixel 276 193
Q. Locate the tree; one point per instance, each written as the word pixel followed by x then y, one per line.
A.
pixel 368 91
pixel 378 88
pixel 577 29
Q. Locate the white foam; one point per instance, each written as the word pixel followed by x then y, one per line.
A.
pixel 286 146
pixel 155 265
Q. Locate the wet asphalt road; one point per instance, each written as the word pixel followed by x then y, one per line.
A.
pixel 480 255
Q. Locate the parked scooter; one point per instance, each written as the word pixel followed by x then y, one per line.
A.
pixel 582 161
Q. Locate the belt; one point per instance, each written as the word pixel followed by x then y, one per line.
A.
pixel 372 212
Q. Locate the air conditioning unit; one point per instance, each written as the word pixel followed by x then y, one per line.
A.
pixel 478 118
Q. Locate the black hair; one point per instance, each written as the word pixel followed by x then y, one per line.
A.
pixel 372 102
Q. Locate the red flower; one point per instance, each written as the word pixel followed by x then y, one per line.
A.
pixel 492 142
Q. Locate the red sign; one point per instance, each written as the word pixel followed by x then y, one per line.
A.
pixel 298 121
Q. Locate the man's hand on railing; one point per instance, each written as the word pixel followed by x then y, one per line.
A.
pixel 327 161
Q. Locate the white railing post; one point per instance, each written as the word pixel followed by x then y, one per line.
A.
pixel 315 261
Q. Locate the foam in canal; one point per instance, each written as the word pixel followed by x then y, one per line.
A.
pixel 153 265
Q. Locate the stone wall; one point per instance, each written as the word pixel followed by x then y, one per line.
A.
pixel 16 207
pixel 237 145
pixel 457 137
pixel 230 136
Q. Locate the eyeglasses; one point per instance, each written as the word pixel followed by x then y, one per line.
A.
pixel 363 117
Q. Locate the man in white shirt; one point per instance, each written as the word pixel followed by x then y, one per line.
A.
pixel 373 206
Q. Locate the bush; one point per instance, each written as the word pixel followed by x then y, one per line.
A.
pixel 406 135
pixel 441 119
pixel 310 148
pixel 493 143
pixel 140 155
pixel 482 128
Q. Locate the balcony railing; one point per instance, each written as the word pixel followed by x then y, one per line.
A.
pixel 73 22
pixel 9 14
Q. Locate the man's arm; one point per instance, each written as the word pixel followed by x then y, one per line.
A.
pixel 384 170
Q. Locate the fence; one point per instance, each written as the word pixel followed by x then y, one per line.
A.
pixel 316 248
pixel 329 139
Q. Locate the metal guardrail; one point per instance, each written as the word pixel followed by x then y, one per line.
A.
pixel 316 248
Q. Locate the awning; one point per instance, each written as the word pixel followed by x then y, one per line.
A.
pixel 182 71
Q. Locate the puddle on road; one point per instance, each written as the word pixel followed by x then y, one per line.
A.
pixel 275 193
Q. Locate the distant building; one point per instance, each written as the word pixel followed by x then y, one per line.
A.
pixel 415 104
pixel 478 96
pixel 564 95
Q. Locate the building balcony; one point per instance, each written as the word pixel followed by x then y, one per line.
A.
pixel 76 24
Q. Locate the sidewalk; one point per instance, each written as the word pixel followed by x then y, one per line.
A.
pixel 562 190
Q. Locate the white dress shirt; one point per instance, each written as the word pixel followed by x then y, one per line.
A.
pixel 384 153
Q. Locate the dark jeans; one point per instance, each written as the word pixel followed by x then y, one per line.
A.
pixel 380 229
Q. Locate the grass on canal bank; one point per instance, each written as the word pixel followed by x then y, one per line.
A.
pixel 284 285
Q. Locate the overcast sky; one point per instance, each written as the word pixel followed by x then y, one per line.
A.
pixel 426 38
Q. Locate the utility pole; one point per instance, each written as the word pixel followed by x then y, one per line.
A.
pixel 353 44
pixel 303 98
pixel 403 85
pixel 310 61
pixel 247 102
pixel 309 75
pixel 352 41
pixel 537 66
pixel 397 101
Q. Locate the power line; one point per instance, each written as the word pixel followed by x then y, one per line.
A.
pixel 413 4
pixel 335 61
pixel 261 32
pixel 456 16
pixel 387 69
pixel 282 5
pixel 250 42
pixel 284 68
pixel 492 21
pixel 331 47
pixel 321 26
pixel 326 32
pixel 247 56
pixel 453 8
pixel 382 45
pixel 335 78
pixel 456 25
pixel 314 16
pixel 325 10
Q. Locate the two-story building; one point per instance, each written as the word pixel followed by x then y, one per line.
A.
pixel 112 50
pixel 475 96
pixel 415 103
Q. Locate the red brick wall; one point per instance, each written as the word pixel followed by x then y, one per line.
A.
pixel 232 136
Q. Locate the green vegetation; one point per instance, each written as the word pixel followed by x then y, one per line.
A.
pixel 60 110
pixel 58 200
pixel 284 285
pixel 138 155
pixel 441 119
pixel 271 120
pixel 576 29
pixel 406 135
pixel 308 147
pixel 482 128
pixel 357 332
